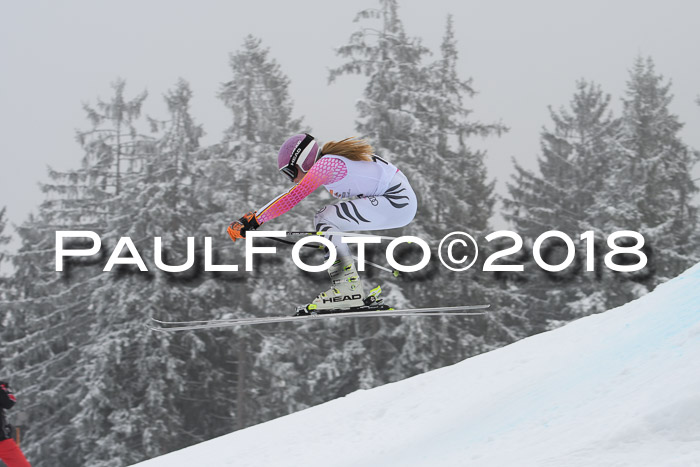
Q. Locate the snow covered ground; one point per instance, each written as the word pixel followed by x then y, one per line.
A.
pixel 617 389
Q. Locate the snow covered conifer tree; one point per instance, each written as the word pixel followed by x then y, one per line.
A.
pixel 51 313
pixel 462 195
pixel 258 96
pixel 414 114
pixel 137 380
pixel 577 154
pixel 457 195
pixel 4 282
pixel 605 175
pixel 4 238
pixel 392 61
pixel 113 143
pixel 653 185
pixel 236 176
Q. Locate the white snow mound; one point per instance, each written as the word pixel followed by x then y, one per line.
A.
pixel 621 388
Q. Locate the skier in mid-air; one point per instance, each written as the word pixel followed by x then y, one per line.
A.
pixel 377 196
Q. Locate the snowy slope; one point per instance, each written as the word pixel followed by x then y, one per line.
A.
pixel 617 389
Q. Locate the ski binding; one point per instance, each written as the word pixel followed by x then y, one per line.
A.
pixel 371 303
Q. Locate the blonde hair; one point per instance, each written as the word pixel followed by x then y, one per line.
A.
pixel 353 148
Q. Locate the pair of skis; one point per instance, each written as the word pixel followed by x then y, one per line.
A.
pixel 372 309
pixel 172 326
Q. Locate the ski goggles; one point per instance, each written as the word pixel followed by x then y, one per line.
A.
pixel 299 155
pixel 290 172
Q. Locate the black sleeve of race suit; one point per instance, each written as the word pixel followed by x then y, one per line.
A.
pixel 7 399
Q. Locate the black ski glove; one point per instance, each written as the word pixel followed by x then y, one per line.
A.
pixel 238 229
pixel 7 399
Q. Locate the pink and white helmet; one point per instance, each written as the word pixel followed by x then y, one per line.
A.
pixel 300 149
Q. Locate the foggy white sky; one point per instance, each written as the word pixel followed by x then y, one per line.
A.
pixel 523 56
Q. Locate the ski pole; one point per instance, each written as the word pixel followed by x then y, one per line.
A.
pixel 341 234
pixel 394 272
pixel 310 233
